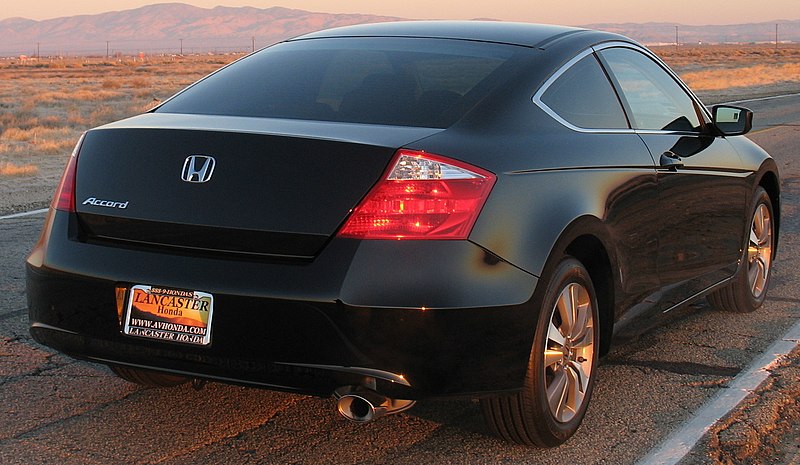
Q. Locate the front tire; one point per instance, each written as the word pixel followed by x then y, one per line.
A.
pixel 563 362
pixel 748 289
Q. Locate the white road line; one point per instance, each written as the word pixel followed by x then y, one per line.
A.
pixel 679 443
pixel 760 99
pixel 20 215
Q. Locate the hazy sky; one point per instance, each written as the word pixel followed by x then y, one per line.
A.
pixel 574 12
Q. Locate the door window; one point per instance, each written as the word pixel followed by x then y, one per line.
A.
pixel 655 99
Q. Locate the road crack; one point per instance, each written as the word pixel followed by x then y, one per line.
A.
pixel 13 314
pixel 765 424
pixel 177 454
pixel 681 368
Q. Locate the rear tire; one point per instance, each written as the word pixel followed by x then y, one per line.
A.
pixel 561 368
pixel 748 289
pixel 146 377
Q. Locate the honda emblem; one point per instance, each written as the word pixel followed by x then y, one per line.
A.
pixel 198 168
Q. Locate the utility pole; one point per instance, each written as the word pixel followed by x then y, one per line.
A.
pixel 254 43
pixel 107 42
pixel 181 47
pixel 38 56
pixel 776 37
pixel 676 38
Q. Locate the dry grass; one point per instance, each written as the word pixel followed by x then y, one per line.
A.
pixel 54 146
pixel 758 75
pixel 34 134
pixel 720 67
pixel 139 83
pixel 44 107
pixel 84 95
pixel 111 84
pixel 10 169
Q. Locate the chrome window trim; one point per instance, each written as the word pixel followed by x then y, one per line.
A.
pixel 661 131
pixel 537 97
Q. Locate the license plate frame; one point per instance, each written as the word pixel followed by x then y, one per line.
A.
pixel 169 314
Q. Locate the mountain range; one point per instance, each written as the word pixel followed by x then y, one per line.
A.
pixel 182 28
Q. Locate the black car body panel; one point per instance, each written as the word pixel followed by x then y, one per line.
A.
pixel 335 312
pixel 300 308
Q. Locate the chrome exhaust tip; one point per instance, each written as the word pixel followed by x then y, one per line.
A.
pixel 358 409
pixel 363 405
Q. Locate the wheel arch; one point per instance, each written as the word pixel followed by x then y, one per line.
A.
pixel 592 253
pixel 770 182
pixel 586 239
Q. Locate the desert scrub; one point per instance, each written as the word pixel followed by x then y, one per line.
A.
pixel 11 170
pixel 84 95
pixel 139 83
pixel 34 134
pixel 111 84
pixel 759 75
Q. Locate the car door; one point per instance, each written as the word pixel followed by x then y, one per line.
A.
pixel 702 185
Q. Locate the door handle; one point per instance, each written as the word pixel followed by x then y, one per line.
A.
pixel 670 160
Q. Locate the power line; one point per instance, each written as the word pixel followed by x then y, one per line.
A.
pixel 129 47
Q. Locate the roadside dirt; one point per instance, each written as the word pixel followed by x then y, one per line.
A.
pixel 764 429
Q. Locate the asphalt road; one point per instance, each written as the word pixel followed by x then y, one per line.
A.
pixel 57 410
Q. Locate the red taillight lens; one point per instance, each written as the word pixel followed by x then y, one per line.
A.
pixel 64 199
pixel 423 196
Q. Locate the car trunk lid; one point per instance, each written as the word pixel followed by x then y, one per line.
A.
pixel 277 187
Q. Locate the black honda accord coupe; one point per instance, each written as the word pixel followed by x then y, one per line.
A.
pixel 390 212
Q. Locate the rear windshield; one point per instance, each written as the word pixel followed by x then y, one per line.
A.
pixel 396 81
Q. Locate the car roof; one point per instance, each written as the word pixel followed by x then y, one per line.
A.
pixel 523 34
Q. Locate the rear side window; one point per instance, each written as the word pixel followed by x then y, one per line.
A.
pixel 396 81
pixel 584 97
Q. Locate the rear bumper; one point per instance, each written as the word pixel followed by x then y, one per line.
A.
pixel 422 318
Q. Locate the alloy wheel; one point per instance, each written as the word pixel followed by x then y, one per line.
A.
pixel 569 352
pixel 759 251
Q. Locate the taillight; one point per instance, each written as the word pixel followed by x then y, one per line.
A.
pixel 64 199
pixel 423 196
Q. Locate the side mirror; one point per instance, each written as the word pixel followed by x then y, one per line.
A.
pixel 732 121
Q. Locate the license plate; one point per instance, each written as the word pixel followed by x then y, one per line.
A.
pixel 165 314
